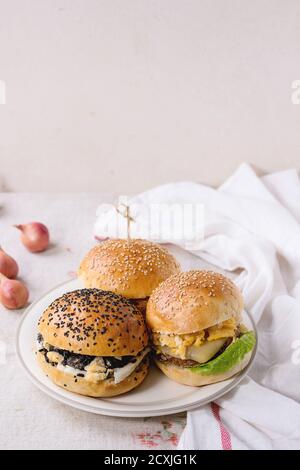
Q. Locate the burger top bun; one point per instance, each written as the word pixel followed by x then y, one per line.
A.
pixel 95 323
pixel 132 268
pixel 192 301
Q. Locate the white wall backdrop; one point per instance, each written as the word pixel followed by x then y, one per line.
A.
pixel 120 95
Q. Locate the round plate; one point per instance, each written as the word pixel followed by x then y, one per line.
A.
pixel 157 395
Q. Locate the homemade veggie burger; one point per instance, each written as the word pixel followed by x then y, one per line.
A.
pixel 93 343
pixel 132 268
pixel 197 335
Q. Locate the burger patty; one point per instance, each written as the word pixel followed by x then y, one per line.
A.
pixel 188 362
pixel 80 361
pixel 175 360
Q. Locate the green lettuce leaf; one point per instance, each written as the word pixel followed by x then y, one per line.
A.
pixel 232 355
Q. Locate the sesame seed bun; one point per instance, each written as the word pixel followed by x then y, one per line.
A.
pixel 185 376
pixel 95 323
pixel 131 268
pixel 104 388
pixel 192 301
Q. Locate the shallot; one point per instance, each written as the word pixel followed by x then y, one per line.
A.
pixel 35 236
pixel 13 294
pixel 8 266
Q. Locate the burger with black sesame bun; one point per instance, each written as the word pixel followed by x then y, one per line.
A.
pixel 93 343
pixel 132 268
pixel 197 333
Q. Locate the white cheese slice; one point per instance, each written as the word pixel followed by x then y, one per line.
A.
pixel 201 354
pixel 206 351
pixel 120 373
pixel 70 370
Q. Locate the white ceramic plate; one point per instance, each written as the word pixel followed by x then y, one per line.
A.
pixel 156 396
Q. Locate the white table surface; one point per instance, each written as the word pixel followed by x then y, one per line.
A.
pixel 30 419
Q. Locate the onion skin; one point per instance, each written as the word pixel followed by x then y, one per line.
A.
pixel 8 266
pixel 13 294
pixel 34 236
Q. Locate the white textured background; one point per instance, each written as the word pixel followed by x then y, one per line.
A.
pixel 120 95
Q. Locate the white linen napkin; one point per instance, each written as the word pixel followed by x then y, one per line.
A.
pixel 251 226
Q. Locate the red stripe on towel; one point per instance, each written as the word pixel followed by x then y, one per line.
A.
pixel 225 436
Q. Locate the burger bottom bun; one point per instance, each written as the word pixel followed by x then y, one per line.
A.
pixel 105 388
pixel 185 376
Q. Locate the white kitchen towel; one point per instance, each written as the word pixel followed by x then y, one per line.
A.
pixel 251 226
